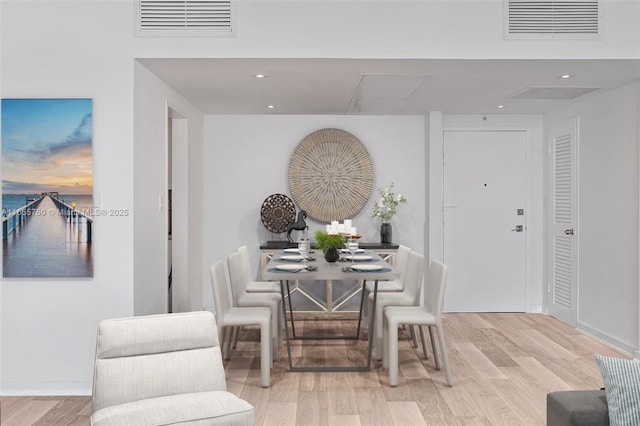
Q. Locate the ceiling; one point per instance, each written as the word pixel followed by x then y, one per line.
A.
pixel 388 86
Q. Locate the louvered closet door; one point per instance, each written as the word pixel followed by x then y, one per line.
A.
pixel 564 259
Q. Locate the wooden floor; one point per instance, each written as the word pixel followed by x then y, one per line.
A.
pixel 503 365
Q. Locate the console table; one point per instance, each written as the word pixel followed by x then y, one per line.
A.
pixel 332 300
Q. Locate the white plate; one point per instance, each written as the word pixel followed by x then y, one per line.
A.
pixel 291 250
pixel 357 251
pixel 359 257
pixel 289 267
pixel 366 267
pixel 292 257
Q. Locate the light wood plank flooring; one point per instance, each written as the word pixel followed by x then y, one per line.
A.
pixel 503 365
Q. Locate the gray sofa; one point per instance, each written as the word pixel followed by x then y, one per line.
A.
pixel 577 408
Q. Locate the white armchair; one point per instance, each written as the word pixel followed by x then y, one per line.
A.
pixel 163 370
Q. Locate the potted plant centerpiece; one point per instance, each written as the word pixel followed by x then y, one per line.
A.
pixel 329 244
pixel 385 208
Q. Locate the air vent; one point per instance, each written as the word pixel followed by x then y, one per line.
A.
pixel 552 18
pixel 385 94
pixel 553 93
pixel 185 18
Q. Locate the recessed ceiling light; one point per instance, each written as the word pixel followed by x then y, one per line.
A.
pixel 259 75
pixel 500 106
pixel 270 106
pixel 565 76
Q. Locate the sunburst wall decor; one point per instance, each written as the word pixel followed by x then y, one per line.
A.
pixel 331 175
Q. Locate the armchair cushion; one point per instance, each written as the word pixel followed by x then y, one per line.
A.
pixel 161 370
pixel 201 408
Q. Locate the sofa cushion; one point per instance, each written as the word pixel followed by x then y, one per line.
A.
pixel 621 379
pixel 201 408
pixel 577 408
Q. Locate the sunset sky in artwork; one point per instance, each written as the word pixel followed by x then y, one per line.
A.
pixel 47 146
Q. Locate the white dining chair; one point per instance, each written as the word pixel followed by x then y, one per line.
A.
pixel 409 296
pixel 400 263
pixel 251 285
pixel 430 314
pixel 242 298
pixel 228 317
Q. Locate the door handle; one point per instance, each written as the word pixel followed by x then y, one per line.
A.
pixel 568 231
pixel 518 228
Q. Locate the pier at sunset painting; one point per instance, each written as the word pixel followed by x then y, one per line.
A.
pixel 47 187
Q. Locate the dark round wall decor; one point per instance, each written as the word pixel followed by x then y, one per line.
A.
pixel 277 212
pixel 331 175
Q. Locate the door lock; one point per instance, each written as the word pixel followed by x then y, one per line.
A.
pixel 518 228
pixel 568 231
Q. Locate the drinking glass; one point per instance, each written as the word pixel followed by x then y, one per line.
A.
pixel 303 248
pixel 352 246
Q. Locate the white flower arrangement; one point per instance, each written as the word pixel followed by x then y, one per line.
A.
pixel 387 206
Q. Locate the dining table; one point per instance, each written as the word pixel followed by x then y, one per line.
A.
pixel 286 266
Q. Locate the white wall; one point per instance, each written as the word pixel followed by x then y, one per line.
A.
pixel 247 159
pixel 48 326
pixel 608 213
pixel 152 100
pixel 394 29
pixel 534 213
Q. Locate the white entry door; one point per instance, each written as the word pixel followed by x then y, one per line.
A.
pixel 484 220
pixel 564 253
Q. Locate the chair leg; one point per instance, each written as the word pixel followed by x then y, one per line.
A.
pixel 436 358
pixel 424 343
pixel 265 354
pixel 236 336
pixel 276 332
pixel 412 332
pixel 392 343
pixel 230 336
pixel 385 343
pixel 445 359
pixel 378 331
pixel 365 310
pixel 223 337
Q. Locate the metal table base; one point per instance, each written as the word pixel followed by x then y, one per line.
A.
pixel 313 369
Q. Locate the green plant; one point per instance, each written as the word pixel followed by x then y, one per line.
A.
pixel 326 241
pixel 387 206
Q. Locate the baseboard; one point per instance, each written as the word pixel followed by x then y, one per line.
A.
pixel 536 309
pixel 607 340
pixel 45 389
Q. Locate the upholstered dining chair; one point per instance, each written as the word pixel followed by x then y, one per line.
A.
pixel 228 317
pixel 400 263
pixel 160 370
pixel 409 296
pixel 430 314
pixel 243 298
pixel 251 285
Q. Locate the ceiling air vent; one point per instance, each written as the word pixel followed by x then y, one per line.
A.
pixel 173 18
pixel 552 19
pixel 554 93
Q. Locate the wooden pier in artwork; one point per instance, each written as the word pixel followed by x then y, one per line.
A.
pixel 47 238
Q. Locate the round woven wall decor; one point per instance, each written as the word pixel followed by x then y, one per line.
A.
pixel 277 212
pixel 331 175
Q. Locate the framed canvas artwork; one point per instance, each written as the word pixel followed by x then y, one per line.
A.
pixel 47 187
